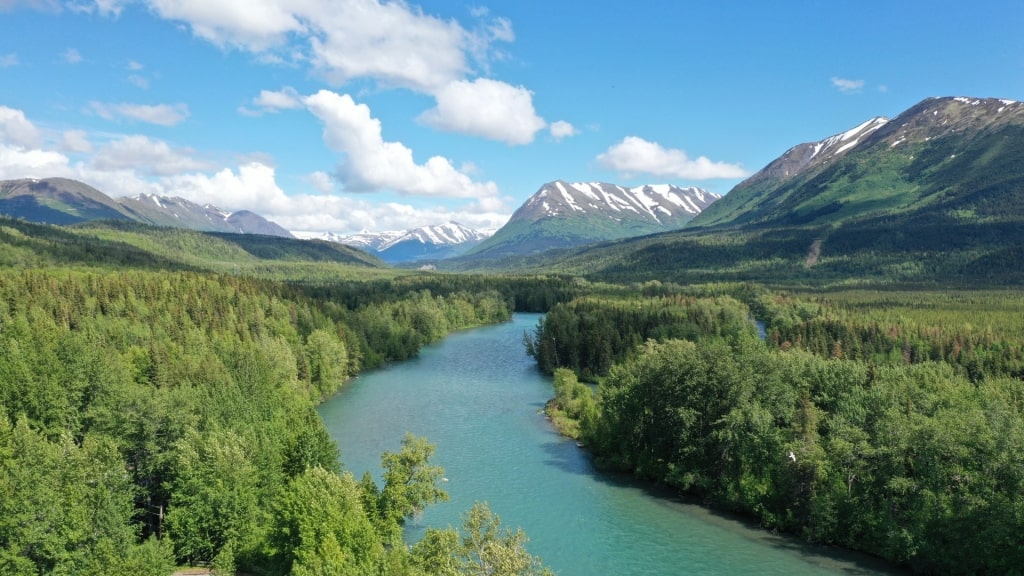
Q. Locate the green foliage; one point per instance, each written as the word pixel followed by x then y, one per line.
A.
pixel 590 334
pixel 482 549
pixel 892 456
pixel 410 484
pixel 149 418
pixel 320 527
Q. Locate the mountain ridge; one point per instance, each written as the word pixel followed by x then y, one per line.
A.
pixel 900 164
pixel 564 214
pixel 936 194
pixel 434 242
pixel 64 201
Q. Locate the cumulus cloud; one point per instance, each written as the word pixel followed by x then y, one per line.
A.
pixel 75 141
pixel 487 108
pixel 253 25
pixel 390 42
pixel 8 60
pixel 273 101
pixel 638 156
pixel 373 164
pixel 322 181
pixel 562 129
pixel 161 114
pixel 252 186
pixel 847 86
pixel 133 164
pixel 142 154
pixel 17 130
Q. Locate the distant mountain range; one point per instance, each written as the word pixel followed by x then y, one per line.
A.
pixel 65 201
pixel 426 243
pixel 563 214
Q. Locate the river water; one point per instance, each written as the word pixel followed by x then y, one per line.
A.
pixel 479 399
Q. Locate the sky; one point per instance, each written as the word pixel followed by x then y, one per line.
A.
pixel 349 115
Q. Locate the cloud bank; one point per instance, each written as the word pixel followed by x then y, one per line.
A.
pixel 127 165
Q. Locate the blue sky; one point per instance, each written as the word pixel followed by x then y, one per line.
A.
pixel 344 115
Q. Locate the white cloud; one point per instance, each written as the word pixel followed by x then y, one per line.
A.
pixel 637 156
pixel 487 108
pixel 322 181
pixel 272 101
pixel 847 86
pixel 388 41
pixel 18 162
pixel 129 165
pixel 251 24
pixel 17 130
pixel 104 7
pixel 8 60
pixel 142 154
pixel 75 141
pixel 346 215
pixel 71 56
pixel 562 129
pixel 134 66
pixel 161 114
pixel 252 187
pixel 372 164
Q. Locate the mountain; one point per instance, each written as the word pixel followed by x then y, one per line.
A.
pixel 563 214
pixel 943 154
pixel 427 243
pixel 431 243
pixel 934 196
pixel 64 201
pixel 57 201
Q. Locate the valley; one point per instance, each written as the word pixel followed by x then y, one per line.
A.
pixel 162 387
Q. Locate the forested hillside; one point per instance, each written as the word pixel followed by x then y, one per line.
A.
pixel 885 422
pixel 154 416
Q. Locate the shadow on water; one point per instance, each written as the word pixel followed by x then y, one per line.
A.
pixel 565 455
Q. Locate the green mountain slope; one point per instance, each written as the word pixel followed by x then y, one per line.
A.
pixel 123 244
pixel 934 196
pixel 951 155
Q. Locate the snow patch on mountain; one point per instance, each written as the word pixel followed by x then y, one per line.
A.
pixel 656 202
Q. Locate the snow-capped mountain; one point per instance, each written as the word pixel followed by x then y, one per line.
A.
pixel 181 213
pixel 660 204
pixel 66 201
pixel 429 242
pixel 956 152
pixel 563 214
pixel 811 155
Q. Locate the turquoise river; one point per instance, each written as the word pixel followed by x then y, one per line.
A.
pixel 479 399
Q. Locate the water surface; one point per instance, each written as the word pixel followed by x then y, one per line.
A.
pixel 479 399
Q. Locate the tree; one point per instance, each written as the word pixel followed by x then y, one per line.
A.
pixel 410 482
pixel 483 548
pixel 320 527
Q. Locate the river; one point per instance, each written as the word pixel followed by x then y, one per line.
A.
pixel 479 399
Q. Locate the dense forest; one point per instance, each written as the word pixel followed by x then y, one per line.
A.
pixel 158 393
pixel 156 415
pixel 883 422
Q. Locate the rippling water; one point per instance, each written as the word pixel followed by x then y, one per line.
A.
pixel 478 398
